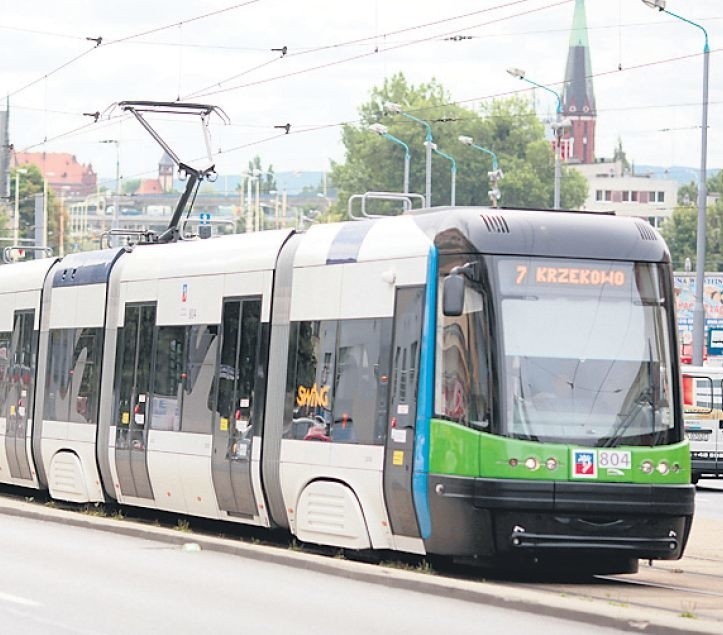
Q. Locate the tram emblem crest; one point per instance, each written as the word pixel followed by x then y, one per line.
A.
pixel 584 464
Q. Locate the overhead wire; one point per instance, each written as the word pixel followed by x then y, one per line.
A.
pixel 356 41
pixel 384 50
pixel 422 111
pixel 426 39
pixel 99 42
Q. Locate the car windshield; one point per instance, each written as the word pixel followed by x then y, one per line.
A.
pixel 586 356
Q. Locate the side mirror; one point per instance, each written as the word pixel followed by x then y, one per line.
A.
pixel 453 295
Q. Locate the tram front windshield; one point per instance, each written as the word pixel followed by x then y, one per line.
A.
pixel 585 352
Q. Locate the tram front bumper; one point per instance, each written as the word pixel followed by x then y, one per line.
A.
pixel 507 516
pixel 645 521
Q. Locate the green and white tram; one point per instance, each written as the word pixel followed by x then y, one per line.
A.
pixel 492 385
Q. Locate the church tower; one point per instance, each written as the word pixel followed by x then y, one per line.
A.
pixel 578 98
pixel 165 173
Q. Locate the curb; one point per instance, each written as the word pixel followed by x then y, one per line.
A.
pixel 551 604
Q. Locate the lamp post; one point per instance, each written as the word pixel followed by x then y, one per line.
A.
pixel 453 193
pixel 249 224
pixel 116 194
pixel 494 176
pixel 45 207
pixel 16 217
pixel 396 108
pixel 255 175
pixel 698 308
pixel 557 128
pixel 382 131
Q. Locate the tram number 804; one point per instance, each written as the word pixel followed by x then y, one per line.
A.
pixel 614 458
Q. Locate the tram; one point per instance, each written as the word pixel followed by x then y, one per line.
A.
pixel 496 386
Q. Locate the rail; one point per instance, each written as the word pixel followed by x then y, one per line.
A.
pixel 8 251
pixel 405 198
pixel 148 236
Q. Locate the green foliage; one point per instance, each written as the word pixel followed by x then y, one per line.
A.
pixel 715 183
pixel 130 186
pixel 680 230
pixel 29 184
pixel 508 127
pixel 268 180
pixel 619 155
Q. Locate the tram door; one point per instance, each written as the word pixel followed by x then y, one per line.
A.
pixel 21 390
pixel 399 456
pixel 234 425
pixel 135 346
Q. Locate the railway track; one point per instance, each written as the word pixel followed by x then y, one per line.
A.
pixel 691 587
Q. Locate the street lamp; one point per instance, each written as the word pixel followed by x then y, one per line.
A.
pixel 698 308
pixel 381 130
pixel 557 128
pixel 16 218
pixel 326 199
pixel 494 176
pixel 396 108
pixel 453 196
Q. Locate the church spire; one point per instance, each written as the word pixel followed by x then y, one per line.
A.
pixel 578 97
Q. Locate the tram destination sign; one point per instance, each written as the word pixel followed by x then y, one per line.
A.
pixel 534 275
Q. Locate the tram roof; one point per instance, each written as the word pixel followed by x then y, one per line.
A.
pixel 24 276
pixel 542 232
pixel 226 254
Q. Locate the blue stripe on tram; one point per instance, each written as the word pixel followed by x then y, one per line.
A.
pixel 425 400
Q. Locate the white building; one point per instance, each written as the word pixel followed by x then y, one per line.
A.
pixel 610 188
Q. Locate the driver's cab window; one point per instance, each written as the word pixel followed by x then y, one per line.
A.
pixel 462 361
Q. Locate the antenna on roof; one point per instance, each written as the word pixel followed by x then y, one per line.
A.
pixel 194 175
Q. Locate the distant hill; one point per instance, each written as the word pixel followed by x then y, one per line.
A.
pixel 292 182
pixel 682 175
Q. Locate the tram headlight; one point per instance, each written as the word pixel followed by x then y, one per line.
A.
pixel 531 463
pixel 513 462
pixel 663 467
pixel 647 467
pixel 551 463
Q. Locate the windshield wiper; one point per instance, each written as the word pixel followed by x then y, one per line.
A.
pixel 646 397
pixel 627 418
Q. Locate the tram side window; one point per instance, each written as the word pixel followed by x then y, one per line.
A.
pixel 57 379
pixel 462 361
pixel 85 375
pixel 183 381
pixel 311 367
pixel 338 376
pixel 17 366
pixel 361 381
pixel 168 378
pixel 72 384
pixel 4 369
pixel 198 390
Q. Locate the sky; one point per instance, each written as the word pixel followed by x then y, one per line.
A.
pixel 647 67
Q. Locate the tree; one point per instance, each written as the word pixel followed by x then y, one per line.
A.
pixel 268 178
pixel 30 184
pixel 688 194
pixel 507 127
pixel 619 155
pixel 130 186
pixel 680 230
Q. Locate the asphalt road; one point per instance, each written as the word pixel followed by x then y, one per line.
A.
pixel 59 579
pixel 709 498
